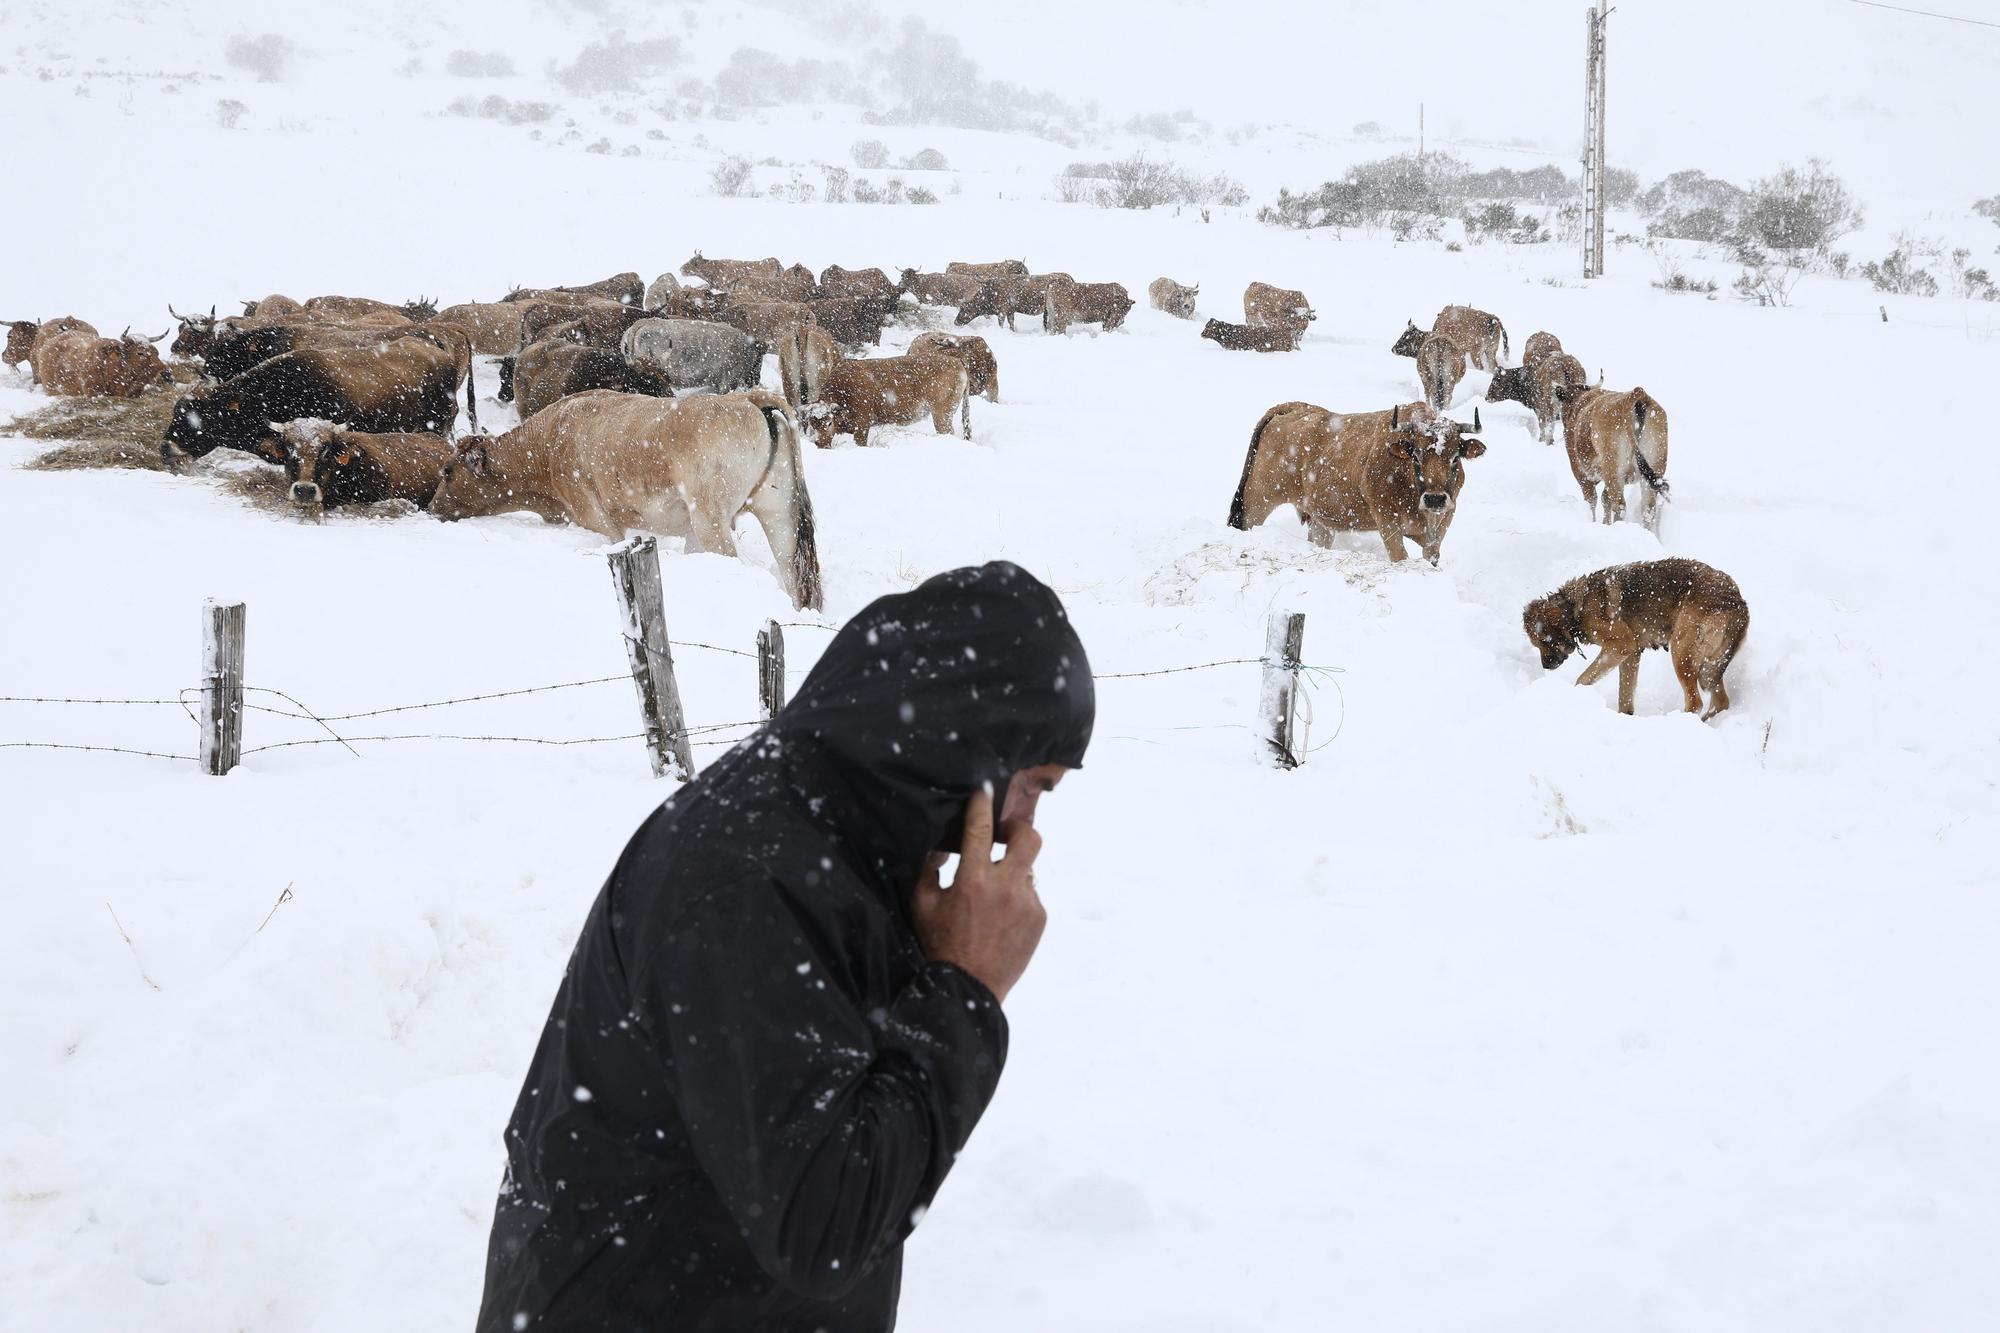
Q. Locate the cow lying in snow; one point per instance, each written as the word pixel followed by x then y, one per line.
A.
pixel 1244 338
pixel 1397 473
pixel 79 362
pixel 330 466
pixel 857 396
pixel 615 463
pixel 22 335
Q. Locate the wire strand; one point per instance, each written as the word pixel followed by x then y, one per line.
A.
pixel 1926 13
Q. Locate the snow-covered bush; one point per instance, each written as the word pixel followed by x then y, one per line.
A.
pixel 503 109
pixel 923 194
pixel 1900 273
pixel 616 65
pixel 478 65
pixel 265 55
pixel 927 159
pixel 228 112
pixel 838 183
pixel 1803 210
pixel 731 177
pixel 1503 222
pixel 870 153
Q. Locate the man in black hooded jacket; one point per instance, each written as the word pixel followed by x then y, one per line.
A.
pixel 778 1029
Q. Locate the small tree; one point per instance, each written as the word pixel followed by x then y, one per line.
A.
pixel 1800 211
pixel 731 177
pixel 265 56
pixel 928 159
pixel 870 153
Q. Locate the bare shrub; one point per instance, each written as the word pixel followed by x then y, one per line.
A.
pixel 1800 210
pixel 838 184
pixel 731 177
pixel 1502 222
pixel 503 109
pixel 870 153
pixel 923 194
pixel 927 159
pixel 892 193
pixel 865 191
pixel 265 55
pixel 228 112
pixel 616 65
pixel 1768 276
pixel 478 65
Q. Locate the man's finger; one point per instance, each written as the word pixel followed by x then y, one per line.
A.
pixel 1024 844
pixel 976 847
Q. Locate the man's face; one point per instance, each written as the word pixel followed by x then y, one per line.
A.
pixel 1025 789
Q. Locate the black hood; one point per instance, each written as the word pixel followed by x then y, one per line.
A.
pixel 926 695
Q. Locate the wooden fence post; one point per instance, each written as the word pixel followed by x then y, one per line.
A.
pixel 1277 707
pixel 221 686
pixel 635 570
pixel 770 668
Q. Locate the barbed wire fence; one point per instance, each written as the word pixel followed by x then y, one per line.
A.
pixel 218 706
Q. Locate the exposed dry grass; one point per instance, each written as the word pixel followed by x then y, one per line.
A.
pixel 105 432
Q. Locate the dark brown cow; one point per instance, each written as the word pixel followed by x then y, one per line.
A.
pixel 404 384
pixel 22 335
pixel 981 370
pixel 769 322
pixel 1244 338
pixel 854 321
pixel 597 317
pixel 330 466
pixel 1397 473
pixel 723 272
pixel 940 288
pixel 857 396
pixel 1533 384
pixel 553 369
pixel 1005 298
pixel 837 281
pixel 1268 307
pixel 81 363
pixel 1005 268
pixel 1616 439
pixel 236 350
pixel 624 288
pixel 1102 303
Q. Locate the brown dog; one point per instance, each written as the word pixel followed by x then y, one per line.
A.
pixel 1693 610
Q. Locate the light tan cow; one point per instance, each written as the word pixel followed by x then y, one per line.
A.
pixel 494 326
pixel 1397 472
pixel 617 462
pixel 81 363
pixel 24 334
pixel 726 272
pixel 803 360
pixel 981 369
pixel 1440 366
pixel 1173 298
pixel 1616 439
pixel 1005 268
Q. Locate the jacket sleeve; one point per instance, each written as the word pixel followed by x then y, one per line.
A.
pixel 826 1129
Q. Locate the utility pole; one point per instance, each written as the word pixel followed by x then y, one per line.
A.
pixel 1593 141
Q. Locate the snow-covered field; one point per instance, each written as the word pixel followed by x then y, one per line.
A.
pixel 1503 1012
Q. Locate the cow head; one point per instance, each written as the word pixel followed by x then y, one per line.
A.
pixel 1182 301
pixel 470 484
pixel 308 450
pixel 986 301
pixel 1569 393
pixel 1409 340
pixel 216 417
pixel 1435 448
pixel 1213 330
pixel 693 268
pixel 197 333
pixel 648 378
pixel 1553 627
pixel 137 364
pixel 1510 384
pixel 21 340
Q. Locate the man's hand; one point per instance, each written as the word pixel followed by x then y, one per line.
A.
pixel 989 920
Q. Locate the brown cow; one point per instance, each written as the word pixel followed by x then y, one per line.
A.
pixel 1440 366
pixel 1243 338
pixel 787 286
pixel 1005 268
pixel 1695 611
pixel 1004 298
pixel 1268 307
pixel 23 334
pixel 553 369
pixel 1397 473
pixel 940 288
pixel 1539 345
pixel 854 321
pixel 769 322
pixel 1171 297
pixel 600 320
pixel 1533 384
pixel 803 360
pixel 624 288
pixel 81 363
pixel 1068 302
pixel 274 307
pixel 857 396
pixel 1482 336
pixel 494 326
pixel 330 466
pixel 347 309
pixel 615 462
pixel 982 372
pixel 723 272
pixel 1616 439
pixel 837 281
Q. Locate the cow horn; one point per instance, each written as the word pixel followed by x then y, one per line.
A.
pixel 125 333
pixel 1475 421
pixel 1395 418
pixel 161 334
pixel 175 313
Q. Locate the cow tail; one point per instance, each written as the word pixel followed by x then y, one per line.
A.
pixel 1236 519
pixel 471 392
pixel 805 541
pixel 965 398
pixel 1505 350
pixel 1653 479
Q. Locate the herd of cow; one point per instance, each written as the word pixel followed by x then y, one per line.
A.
pixel 642 408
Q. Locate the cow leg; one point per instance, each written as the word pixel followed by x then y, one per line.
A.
pixel 711 531
pixel 1614 503
pixel 1392 541
pixel 1589 489
pixel 1628 683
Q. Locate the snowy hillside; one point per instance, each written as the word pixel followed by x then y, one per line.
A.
pixel 1503 1012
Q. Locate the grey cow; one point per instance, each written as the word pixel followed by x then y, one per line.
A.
pixel 696 354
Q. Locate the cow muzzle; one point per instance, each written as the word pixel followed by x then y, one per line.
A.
pixel 1435 501
pixel 305 493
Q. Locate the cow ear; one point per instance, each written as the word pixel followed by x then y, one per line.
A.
pixel 1472 448
pixel 346 455
pixel 234 405
pixel 1406 445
